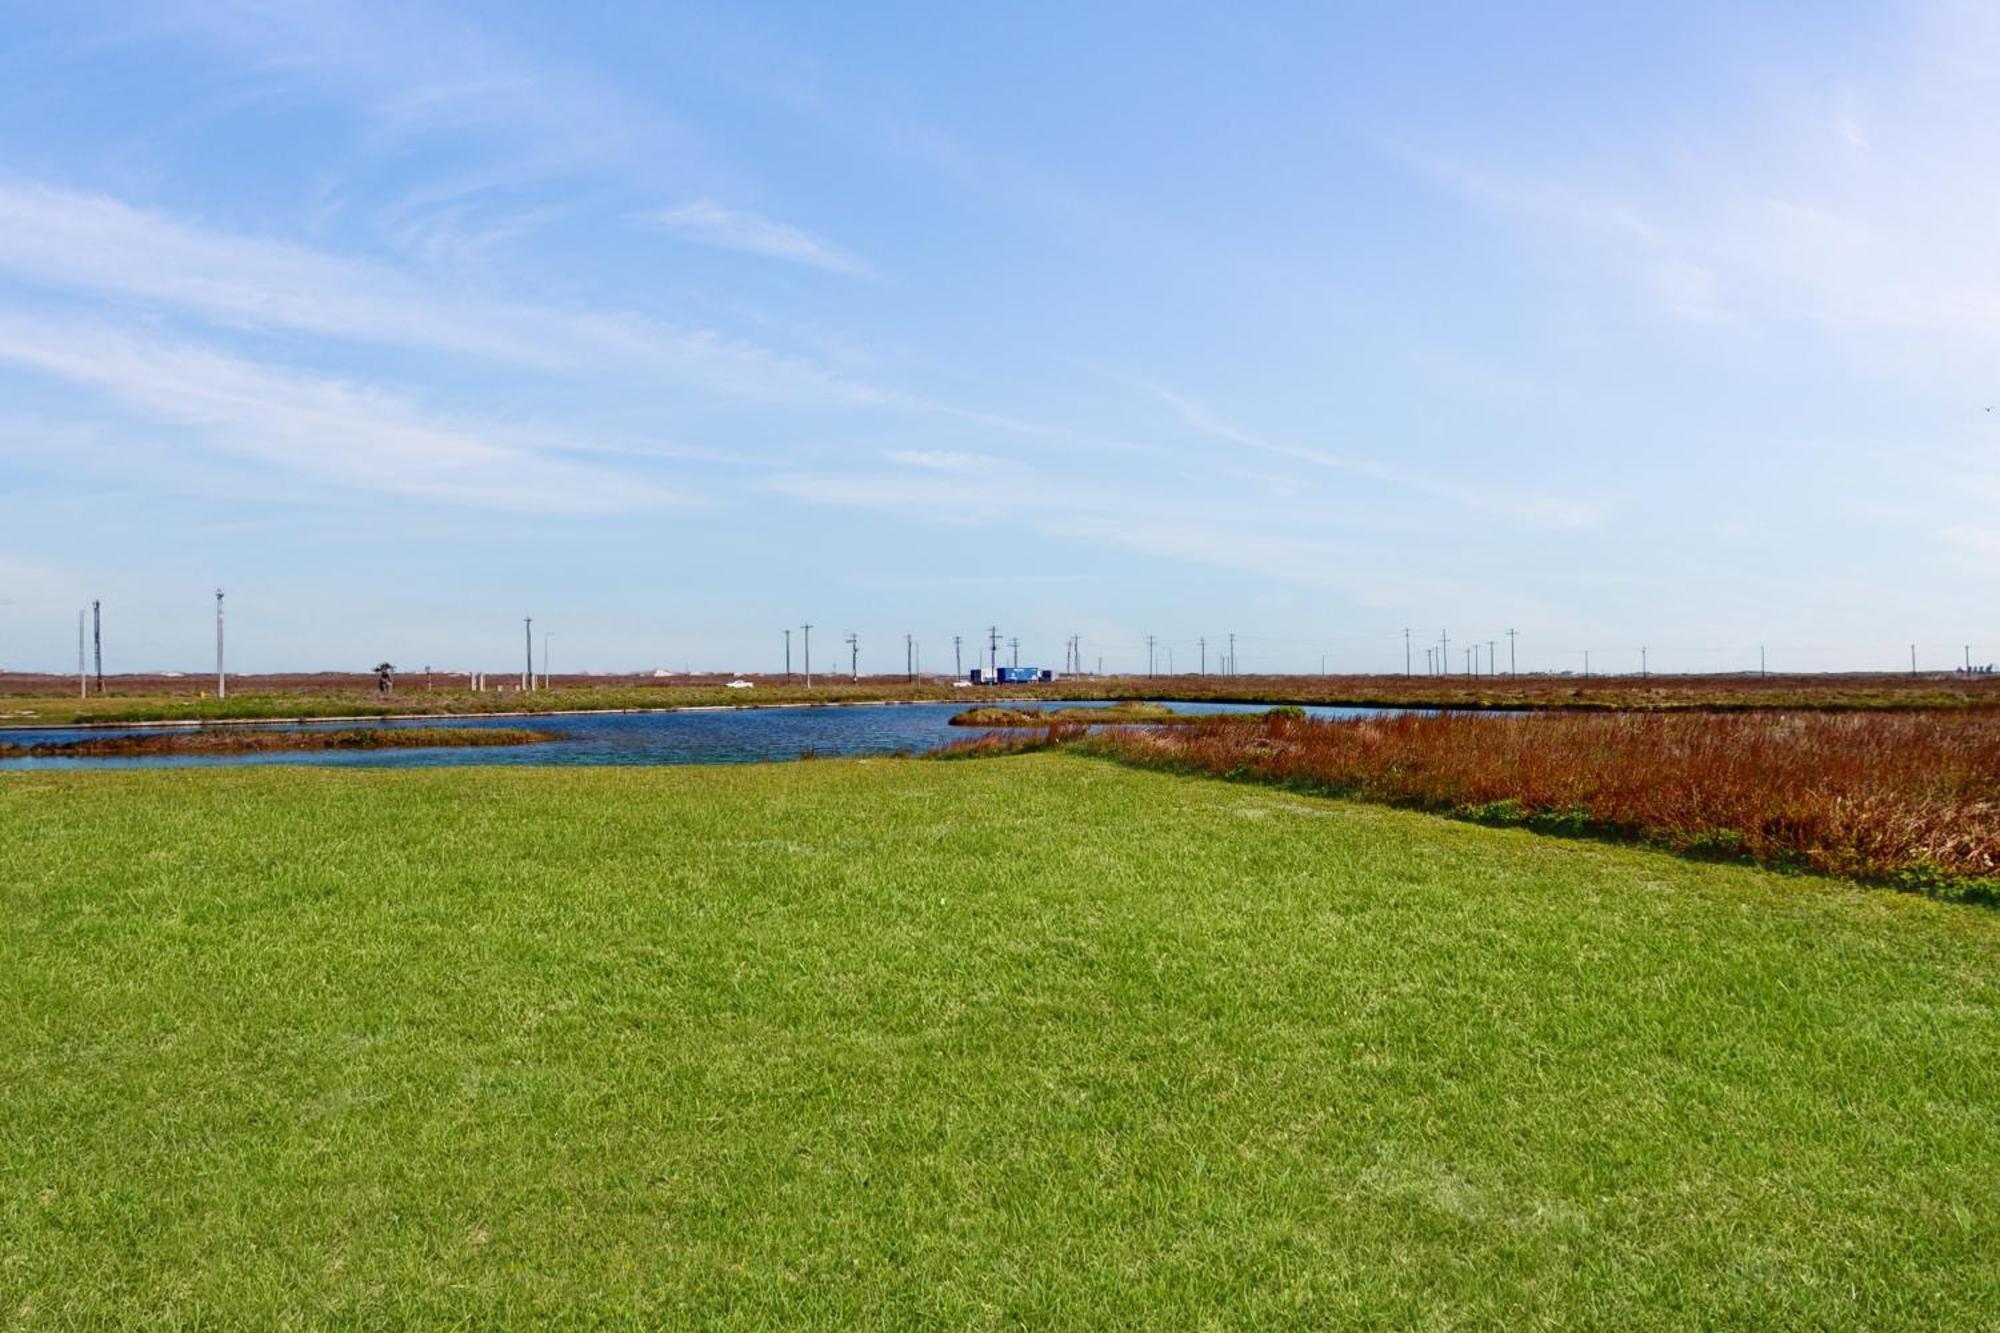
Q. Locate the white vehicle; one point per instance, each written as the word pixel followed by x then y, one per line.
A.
pixel 741 685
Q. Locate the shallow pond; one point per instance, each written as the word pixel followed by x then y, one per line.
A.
pixel 723 736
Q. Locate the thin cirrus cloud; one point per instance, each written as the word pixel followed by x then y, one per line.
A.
pixel 92 243
pixel 1528 511
pixel 1852 203
pixel 705 222
pixel 321 430
pixel 413 71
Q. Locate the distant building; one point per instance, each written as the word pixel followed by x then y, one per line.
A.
pixel 1012 675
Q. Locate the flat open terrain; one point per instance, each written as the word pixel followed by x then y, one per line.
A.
pixel 41 700
pixel 1038 1040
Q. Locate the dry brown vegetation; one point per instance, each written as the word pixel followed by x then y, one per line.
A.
pixel 1118 714
pixel 1909 799
pixel 256 742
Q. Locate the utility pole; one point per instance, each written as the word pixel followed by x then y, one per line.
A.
pixel 957 656
pixel 1149 656
pixel 809 655
pixel 221 680
pixel 82 680
pixel 1760 660
pixel 1430 665
pixel 1444 652
pixel 993 648
pixel 854 657
pixel 97 643
pixel 1913 659
pixel 1511 670
pixel 1586 663
pixel 910 657
pixel 1406 650
pixel 1642 664
pixel 1492 658
pixel 1232 654
pixel 1014 646
pixel 788 657
pixel 1204 654
pixel 528 630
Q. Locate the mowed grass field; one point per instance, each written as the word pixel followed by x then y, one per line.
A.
pixel 1037 1041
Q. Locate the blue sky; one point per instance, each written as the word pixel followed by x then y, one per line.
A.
pixel 673 326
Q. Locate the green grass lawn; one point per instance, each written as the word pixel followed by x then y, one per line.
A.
pixel 1029 1041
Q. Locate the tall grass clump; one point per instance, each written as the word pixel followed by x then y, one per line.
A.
pixel 1908 799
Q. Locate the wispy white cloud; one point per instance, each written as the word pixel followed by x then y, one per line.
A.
pixel 1981 541
pixel 942 460
pixel 938 497
pixel 1529 510
pixel 705 222
pixel 86 242
pixel 323 429
pixel 414 71
pixel 1852 197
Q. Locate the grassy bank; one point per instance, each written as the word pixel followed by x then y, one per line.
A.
pixel 42 701
pixel 1911 800
pixel 1042 1040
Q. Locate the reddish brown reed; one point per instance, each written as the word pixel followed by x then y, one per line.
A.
pixel 1906 798
pixel 1017 741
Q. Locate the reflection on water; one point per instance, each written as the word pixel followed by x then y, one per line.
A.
pixel 734 736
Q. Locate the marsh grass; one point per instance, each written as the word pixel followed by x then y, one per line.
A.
pixel 1908 799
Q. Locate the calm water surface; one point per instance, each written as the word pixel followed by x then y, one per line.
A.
pixel 736 736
